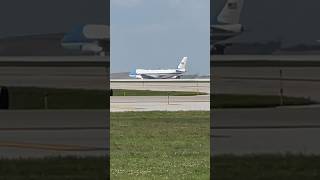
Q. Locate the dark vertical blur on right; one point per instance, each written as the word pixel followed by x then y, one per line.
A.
pixel 265 82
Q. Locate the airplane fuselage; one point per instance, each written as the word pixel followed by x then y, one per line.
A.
pixel 157 74
pixel 161 73
pixel 88 38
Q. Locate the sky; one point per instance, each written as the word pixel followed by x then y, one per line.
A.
pixel 50 16
pixel 291 21
pixel 156 34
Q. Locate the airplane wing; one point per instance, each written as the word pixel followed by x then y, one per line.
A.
pixel 145 76
pixel 83 40
pixel 232 40
pixel 88 38
pixel 33 45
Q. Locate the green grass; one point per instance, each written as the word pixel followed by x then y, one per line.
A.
pixel 255 101
pixel 160 145
pixel 266 167
pixel 55 168
pixel 126 92
pixel 224 167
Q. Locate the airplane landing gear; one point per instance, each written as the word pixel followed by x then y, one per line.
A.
pixel 219 49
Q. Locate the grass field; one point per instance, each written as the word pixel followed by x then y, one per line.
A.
pixel 224 167
pixel 266 167
pixel 55 168
pixel 255 101
pixel 126 92
pixel 160 145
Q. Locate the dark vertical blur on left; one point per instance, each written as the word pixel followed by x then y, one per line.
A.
pixel 54 89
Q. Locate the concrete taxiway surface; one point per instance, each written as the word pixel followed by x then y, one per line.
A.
pixel 298 60
pixel 160 103
pixel 53 133
pixel 263 57
pixel 295 81
pixel 89 72
pixel 272 130
pixel 163 86
pixel 55 77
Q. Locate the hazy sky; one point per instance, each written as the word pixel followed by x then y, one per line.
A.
pixel 292 21
pixel 158 33
pixel 50 16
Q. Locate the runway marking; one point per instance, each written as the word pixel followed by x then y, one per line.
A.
pixel 66 63
pixel 51 147
pixel 268 127
pixel 123 107
pixel 161 101
pixel 270 79
pixel 264 63
pixel 53 128
pixel 52 75
pixel 221 136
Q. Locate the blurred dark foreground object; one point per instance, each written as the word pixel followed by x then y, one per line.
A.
pixel 4 98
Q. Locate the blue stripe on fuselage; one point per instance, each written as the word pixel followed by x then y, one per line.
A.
pixel 75 36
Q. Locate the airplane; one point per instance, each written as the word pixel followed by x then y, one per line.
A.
pixel 88 38
pixel 161 73
pixel 227 25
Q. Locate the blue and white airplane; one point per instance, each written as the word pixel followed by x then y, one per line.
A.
pixel 161 73
pixel 92 38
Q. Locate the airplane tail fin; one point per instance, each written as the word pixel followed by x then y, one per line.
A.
pixel 183 63
pixel 231 12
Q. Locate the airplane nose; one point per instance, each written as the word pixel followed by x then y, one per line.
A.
pixel 132 74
